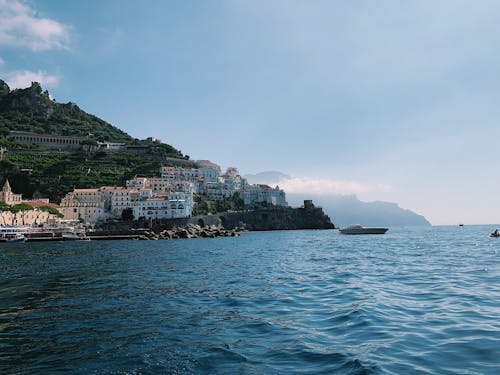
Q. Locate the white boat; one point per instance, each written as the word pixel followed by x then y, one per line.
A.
pixel 75 236
pixel 359 229
pixel 15 237
pixel 12 234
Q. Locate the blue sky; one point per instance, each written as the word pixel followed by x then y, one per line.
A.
pixel 389 100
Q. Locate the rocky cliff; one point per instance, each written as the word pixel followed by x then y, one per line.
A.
pixel 278 218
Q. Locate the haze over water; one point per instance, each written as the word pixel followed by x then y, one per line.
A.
pixel 423 300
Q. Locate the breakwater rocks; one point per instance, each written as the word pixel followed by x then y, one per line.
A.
pixel 190 231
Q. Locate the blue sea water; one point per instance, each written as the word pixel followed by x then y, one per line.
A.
pixel 413 301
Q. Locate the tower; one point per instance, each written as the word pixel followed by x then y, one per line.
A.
pixel 7 196
pixel 6 187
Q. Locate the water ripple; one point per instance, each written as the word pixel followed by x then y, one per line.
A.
pixel 411 301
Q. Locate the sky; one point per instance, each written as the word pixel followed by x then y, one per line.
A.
pixel 389 100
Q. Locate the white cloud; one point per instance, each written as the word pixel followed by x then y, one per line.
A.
pixel 1 62
pixel 320 186
pixel 23 78
pixel 21 26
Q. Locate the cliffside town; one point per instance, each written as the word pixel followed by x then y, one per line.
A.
pixel 99 174
pixel 170 196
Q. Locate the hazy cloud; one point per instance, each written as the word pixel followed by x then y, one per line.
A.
pixel 1 61
pixel 21 26
pixel 23 78
pixel 320 186
pixel 384 188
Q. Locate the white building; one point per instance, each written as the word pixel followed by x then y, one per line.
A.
pixel 110 146
pixel 161 184
pixel 205 179
pixel 233 182
pixel 179 173
pixel 122 198
pixel 93 205
pixel 170 206
pixel 264 194
pixel 208 164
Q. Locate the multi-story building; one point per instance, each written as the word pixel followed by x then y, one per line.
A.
pixel 169 206
pixel 233 182
pixel 87 205
pixel 138 183
pixel 161 184
pixel 263 194
pixel 93 205
pixel 122 198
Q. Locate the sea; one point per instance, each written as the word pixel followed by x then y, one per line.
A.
pixel 413 301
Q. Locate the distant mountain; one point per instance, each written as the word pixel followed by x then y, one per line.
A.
pixel 348 209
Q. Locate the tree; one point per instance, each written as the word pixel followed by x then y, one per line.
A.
pixel 128 214
pixel 20 207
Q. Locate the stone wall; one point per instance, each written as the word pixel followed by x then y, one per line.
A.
pixel 31 217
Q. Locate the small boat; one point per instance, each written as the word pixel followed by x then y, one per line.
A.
pixel 359 229
pixel 18 237
pixel 70 236
pixel 12 234
pixel 495 234
pixel 75 236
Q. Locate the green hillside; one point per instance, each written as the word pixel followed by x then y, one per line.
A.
pixel 31 109
pixel 36 171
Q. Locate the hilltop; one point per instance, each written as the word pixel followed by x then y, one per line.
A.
pixel 32 109
pixel 37 171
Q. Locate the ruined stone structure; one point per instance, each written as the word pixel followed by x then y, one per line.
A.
pixel 54 142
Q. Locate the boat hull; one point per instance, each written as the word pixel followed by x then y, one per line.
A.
pixel 16 239
pixel 363 230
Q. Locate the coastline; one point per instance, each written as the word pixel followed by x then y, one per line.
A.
pixel 226 224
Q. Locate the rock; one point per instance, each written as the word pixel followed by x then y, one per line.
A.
pixel 189 231
pixel 4 88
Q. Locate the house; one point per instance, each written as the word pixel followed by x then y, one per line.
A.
pixel 263 194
